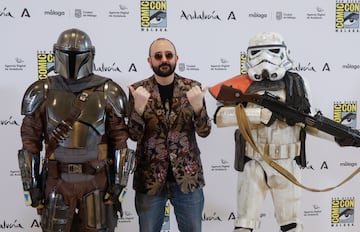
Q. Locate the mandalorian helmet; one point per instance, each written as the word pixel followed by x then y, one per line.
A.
pixel 267 57
pixel 74 54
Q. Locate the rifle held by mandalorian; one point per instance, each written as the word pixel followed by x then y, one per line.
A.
pixel 344 135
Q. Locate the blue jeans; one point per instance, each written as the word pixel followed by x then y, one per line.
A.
pixel 188 209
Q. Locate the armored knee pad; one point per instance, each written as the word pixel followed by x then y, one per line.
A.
pixel 96 215
pixel 55 214
pixel 93 211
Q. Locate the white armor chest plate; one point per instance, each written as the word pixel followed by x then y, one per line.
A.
pixel 90 124
pixel 279 140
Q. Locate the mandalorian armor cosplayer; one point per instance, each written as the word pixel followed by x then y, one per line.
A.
pixel 80 118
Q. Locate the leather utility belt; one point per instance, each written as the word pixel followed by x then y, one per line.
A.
pixel 75 168
pixel 88 168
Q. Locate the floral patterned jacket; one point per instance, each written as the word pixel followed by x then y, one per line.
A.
pixel 163 139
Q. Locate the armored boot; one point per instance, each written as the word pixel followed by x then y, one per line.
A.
pixel 293 227
pixel 240 229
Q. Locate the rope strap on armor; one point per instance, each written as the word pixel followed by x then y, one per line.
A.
pixel 244 127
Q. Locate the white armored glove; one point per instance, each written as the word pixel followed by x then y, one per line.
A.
pixel 265 116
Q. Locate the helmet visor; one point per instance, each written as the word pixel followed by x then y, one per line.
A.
pixel 72 63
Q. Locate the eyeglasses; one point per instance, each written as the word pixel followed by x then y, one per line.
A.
pixel 159 55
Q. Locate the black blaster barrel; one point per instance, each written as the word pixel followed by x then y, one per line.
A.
pixel 344 135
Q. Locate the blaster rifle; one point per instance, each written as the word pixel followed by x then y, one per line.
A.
pixel 344 135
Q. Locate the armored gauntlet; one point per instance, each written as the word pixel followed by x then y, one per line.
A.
pixel 120 168
pixel 29 165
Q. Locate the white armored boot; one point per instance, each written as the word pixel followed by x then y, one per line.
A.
pixel 298 228
pixel 242 230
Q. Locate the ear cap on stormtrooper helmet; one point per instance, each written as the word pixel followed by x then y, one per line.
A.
pixel 74 54
pixel 267 57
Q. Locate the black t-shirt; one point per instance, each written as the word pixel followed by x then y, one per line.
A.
pixel 166 95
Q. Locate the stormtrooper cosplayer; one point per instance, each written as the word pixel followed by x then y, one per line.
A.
pixel 80 118
pixel 268 65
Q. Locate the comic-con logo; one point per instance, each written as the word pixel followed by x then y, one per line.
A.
pixel 342 212
pixel 166 224
pixel 347 17
pixel 45 62
pixel 243 70
pixel 345 113
pixel 153 15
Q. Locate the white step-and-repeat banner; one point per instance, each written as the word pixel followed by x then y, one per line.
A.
pixel 211 39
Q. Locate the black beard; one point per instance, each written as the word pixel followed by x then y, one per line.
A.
pixel 157 70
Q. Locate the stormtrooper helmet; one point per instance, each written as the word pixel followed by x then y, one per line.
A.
pixel 267 57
